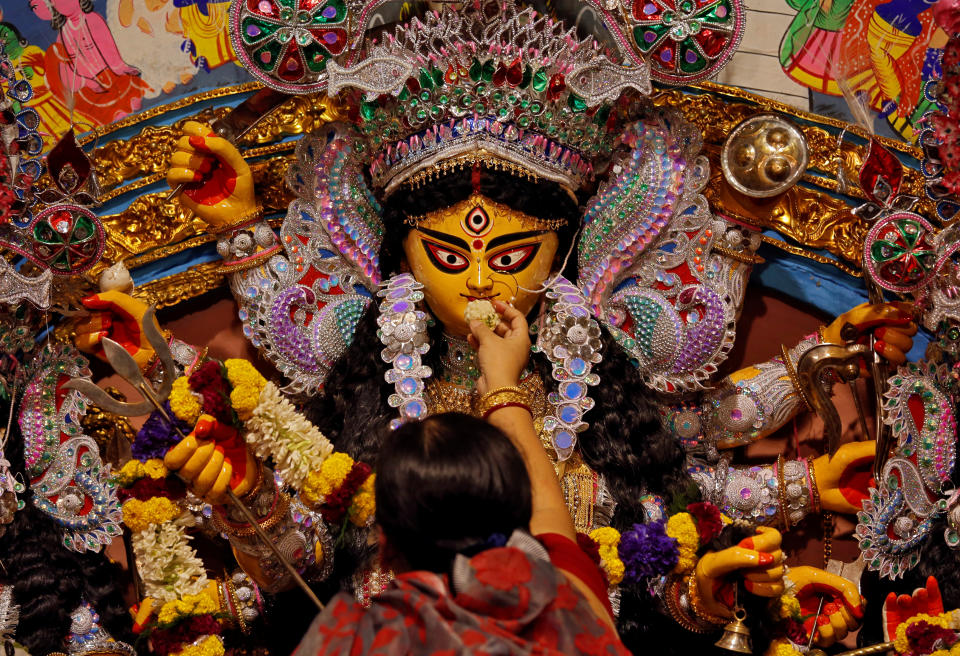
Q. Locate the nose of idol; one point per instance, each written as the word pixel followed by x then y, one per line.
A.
pixel 479 249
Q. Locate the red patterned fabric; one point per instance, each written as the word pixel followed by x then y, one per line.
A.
pixel 510 603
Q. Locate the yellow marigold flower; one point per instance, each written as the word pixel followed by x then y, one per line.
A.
pixel 183 402
pixel 130 473
pixel 901 644
pixel 210 646
pixel 683 529
pixel 139 515
pixel 362 508
pixel 782 647
pixel 241 373
pixel 154 468
pixel 244 399
pixel 368 484
pixel 615 570
pixel 605 536
pixel 789 607
pixel 955 650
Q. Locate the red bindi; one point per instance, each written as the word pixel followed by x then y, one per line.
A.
pixel 478 244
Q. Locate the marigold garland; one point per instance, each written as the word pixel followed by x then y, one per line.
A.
pixel 140 515
pixel 789 607
pixel 783 647
pixel 247 385
pixel 902 645
pixel 177 610
pixel 183 402
pixel 364 504
pixel 683 529
pixel 134 470
pixel 608 539
pixel 209 646
pixel 329 476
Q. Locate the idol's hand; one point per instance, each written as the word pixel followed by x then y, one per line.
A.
pixel 891 323
pixel 218 185
pixel 843 480
pixel 758 559
pixel 502 353
pixel 842 604
pixel 898 609
pixel 212 457
pixel 118 316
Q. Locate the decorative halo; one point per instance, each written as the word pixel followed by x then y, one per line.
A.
pixel 686 41
pixel 899 252
pixel 286 44
pixel 68 239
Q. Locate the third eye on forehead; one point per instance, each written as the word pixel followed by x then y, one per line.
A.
pixel 493 243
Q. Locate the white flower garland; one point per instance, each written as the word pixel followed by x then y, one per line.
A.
pixel 277 430
pixel 168 565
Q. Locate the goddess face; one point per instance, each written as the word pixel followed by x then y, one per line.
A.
pixel 479 250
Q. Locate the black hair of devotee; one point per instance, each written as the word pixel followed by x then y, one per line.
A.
pixel 445 486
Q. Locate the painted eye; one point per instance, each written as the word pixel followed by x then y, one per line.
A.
pixel 514 259
pixel 444 258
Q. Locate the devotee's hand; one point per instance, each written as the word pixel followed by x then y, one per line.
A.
pixel 212 457
pixel 758 558
pixel 218 185
pixel 898 609
pixel 503 352
pixel 842 604
pixel 118 316
pixel 842 480
pixel 892 324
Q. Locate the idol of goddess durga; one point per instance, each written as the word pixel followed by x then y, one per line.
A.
pixel 631 286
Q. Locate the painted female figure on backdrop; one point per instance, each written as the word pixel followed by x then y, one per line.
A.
pixel 85 65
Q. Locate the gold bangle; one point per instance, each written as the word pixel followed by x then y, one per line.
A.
pixel 693 594
pixel 782 494
pixel 814 490
pixel 255 490
pixel 792 373
pixel 246 530
pixel 672 597
pixel 236 606
pixel 505 396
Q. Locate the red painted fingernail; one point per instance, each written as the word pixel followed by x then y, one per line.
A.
pixel 197 142
pixel 766 559
pixel 879 346
pixel 197 176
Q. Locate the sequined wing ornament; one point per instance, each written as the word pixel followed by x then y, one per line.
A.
pixel 940 139
pixel 67 478
pixel 570 338
pixel 914 485
pixel 301 305
pixel 658 278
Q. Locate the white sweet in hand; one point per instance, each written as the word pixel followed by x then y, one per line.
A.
pixel 482 311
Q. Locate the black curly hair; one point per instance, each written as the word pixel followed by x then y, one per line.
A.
pixel 49 580
pixel 626 440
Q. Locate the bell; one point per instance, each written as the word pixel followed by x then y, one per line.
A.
pixel 736 635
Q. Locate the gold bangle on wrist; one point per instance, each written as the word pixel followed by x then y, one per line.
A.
pixel 503 397
pixel 792 373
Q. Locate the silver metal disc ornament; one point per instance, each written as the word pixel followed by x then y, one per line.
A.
pixel 764 156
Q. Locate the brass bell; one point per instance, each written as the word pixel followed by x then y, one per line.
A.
pixel 736 635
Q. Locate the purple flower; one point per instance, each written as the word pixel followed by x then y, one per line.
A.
pixel 647 552
pixel 157 436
